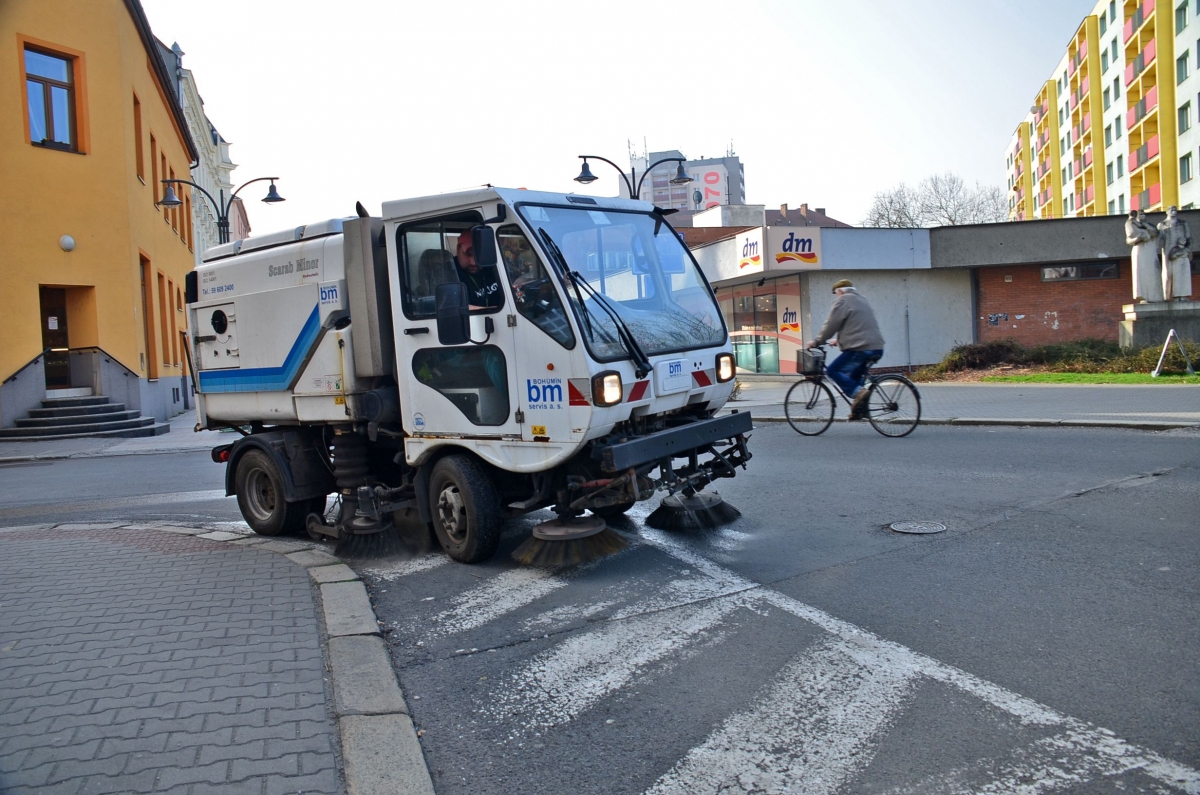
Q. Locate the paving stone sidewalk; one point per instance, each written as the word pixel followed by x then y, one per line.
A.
pixel 138 660
pixel 1149 406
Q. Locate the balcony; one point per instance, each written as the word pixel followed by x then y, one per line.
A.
pixel 1144 58
pixel 1144 12
pixel 1147 198
pixel 1143 154
pixel 1087 157
pixel 1139 111
pixel 1089 195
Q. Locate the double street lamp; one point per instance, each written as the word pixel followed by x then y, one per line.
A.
pixel 222 207
pixel 632 183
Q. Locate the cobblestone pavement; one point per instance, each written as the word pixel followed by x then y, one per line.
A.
pixel 137 660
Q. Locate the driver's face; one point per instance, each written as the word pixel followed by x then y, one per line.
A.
pixel 466 252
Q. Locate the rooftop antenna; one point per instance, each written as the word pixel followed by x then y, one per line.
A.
pixel 730 153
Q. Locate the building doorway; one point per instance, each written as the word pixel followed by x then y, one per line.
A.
pixel 54 336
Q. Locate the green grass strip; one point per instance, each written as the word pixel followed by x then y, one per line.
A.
pixel 1092 378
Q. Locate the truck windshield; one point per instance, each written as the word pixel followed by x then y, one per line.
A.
pixel 638 269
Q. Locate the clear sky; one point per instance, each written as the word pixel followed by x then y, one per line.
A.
pixel 825 102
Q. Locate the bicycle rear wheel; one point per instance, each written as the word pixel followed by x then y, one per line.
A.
pixel 809 407
pixel 893 405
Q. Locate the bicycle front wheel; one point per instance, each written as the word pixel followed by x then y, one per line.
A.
pixel 893 405
pixel 809 407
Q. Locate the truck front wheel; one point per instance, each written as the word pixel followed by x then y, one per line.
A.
pixel 466 509
pixel 260 496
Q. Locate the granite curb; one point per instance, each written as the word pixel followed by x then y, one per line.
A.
pixel 380 749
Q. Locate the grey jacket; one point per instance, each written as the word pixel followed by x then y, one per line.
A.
pixel 853 322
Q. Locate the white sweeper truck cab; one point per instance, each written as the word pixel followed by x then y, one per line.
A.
pixel 468 357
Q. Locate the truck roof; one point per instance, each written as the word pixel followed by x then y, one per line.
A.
pixel 424 205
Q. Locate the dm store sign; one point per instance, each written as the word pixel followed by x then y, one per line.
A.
pixel 792 249
pixel 750 252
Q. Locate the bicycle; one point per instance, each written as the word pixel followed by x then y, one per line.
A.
pixel 893 404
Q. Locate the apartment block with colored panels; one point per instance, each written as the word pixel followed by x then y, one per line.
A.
pixel 1049 153
pixel 1128 110
pixel 1020 175
pixel 94 268
pixel 1084 184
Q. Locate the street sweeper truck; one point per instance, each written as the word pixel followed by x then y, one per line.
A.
pixel 467 358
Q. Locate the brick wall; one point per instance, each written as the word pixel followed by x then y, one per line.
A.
pixel 1034 312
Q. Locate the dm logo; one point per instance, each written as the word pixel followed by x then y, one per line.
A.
pixel 750 255
pixel 797 249
pixel 790 321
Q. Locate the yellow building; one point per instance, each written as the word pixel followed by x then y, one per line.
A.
pixel 93 268
pixel 1117 126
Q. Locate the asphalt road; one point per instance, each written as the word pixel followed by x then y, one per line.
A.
pixel 1048 635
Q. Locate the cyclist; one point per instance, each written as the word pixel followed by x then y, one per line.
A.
pixel 852 320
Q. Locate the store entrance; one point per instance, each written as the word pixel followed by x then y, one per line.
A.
pixel 54 336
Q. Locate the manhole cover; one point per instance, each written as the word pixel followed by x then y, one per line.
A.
pixel 918 528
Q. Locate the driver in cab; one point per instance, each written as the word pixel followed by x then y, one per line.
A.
pixel 483 284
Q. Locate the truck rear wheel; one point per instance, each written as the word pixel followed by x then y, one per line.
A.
pixel 260 497
pixel 466 509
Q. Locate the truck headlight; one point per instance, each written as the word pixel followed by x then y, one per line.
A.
pixel 606 388
pixel 725 368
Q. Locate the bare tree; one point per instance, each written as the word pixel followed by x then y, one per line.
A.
pixel 940 200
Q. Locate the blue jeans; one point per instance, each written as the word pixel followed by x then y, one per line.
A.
pixel 850 367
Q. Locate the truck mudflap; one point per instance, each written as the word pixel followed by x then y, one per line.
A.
pixel 687 440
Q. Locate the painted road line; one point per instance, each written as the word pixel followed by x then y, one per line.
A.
pixel 502 594
pixel 869 650
pixel 811 731
pixel 555 686
pixel 406 567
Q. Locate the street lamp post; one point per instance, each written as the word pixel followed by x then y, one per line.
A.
pixel 632 183
pixel 169 199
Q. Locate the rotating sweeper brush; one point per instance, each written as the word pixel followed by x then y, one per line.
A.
pixel 562 542
pixel 699 510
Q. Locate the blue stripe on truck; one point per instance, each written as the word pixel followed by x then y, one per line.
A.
pixel 267 379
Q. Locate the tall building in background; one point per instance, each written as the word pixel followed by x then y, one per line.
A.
pixel 715 181
pixel 214 169
pixel 1114 128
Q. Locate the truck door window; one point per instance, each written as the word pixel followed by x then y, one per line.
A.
pixel 430 254
pixel 533 289
pixel 474 379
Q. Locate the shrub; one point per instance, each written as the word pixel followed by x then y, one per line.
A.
pixel 1079 356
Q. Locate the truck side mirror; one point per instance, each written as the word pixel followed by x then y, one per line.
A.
pixel 483 238
pixel 453 321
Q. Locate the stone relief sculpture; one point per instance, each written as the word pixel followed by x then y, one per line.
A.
pixel 1147 268
pixel 1176 239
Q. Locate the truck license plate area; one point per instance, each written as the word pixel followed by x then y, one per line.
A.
pixel 672 376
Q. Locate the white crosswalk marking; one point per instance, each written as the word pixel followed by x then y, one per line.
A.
pixel 405 568
pixel 871 651
pixel 1064 761
pixel 502 594
pixel 807 734
pixel 814 728
pixel 557 685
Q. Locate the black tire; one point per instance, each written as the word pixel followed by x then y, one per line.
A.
pixel 260 497
pixel 809 407
pixel 466 509
pixel 893 406
pixel 613 511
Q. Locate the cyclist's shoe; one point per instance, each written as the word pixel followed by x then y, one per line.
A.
pixel 858 408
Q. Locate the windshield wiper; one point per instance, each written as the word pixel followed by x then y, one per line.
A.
pixel 641 362
pixel 564 273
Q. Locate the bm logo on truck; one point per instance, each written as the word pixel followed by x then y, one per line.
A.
pixel 544 393
pixel 329 294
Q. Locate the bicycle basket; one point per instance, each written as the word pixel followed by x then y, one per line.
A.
pixel 810 361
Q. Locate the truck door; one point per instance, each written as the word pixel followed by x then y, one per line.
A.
pixel 463 390
pixel 553 403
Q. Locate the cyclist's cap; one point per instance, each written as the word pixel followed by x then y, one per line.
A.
pixel 842 283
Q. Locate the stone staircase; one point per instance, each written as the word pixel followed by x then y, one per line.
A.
pixel 75 413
